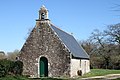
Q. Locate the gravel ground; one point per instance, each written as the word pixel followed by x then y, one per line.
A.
pixel 106 77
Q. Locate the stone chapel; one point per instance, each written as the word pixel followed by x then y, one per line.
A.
pixel 51 52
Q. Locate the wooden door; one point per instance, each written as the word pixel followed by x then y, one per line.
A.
pixel 43 67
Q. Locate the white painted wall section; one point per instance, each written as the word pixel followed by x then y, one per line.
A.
pixel 75 66
pixel 85 66
pixel 79 64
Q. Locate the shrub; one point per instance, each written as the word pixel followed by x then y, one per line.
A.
pixel 5 67
pixel 18 67
pixel 2 71
pixel 10 67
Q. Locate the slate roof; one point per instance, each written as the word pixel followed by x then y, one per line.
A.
pixel 71 43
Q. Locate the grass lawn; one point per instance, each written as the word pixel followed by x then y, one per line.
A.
pixel 14 78
pixel 101 72
pixel 9 77
pixel 94 72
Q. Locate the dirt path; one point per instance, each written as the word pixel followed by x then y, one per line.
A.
pixel 106 77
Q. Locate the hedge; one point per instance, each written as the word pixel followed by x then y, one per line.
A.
pixel 8 67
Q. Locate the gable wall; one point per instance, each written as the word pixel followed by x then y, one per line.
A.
pixel 43 42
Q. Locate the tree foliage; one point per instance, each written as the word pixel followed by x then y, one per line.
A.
pixel 9 64
pixel 8 67
pixel 113 33
pixel 12 55
pixel 104 47
pixel 2 55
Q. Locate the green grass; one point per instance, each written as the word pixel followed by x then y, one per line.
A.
pixel 9 77
pixel 117 79
pixel 94 72
pixel 101 72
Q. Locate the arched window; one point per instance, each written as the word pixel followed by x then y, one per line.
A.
pixel 42 15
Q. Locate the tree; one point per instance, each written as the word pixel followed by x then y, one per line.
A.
pixel 12 55
pixel 88 46
pixel 2 55
pixel 113 33
pixel 104 47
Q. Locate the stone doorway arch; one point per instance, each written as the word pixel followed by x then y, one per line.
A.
pixel 43 66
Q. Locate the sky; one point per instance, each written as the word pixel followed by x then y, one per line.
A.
pixel 79 17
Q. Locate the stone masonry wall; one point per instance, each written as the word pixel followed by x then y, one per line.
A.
pixel 43 42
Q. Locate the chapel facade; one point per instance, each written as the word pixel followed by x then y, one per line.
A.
pixel 51 52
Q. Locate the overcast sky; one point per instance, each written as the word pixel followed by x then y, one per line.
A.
pixel 79 17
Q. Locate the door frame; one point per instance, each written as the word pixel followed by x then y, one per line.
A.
pixel 39 65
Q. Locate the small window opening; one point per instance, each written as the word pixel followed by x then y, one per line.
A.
pixel 43 16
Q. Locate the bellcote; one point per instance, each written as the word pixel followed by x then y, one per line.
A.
pixel 43 16
pixel 43 13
